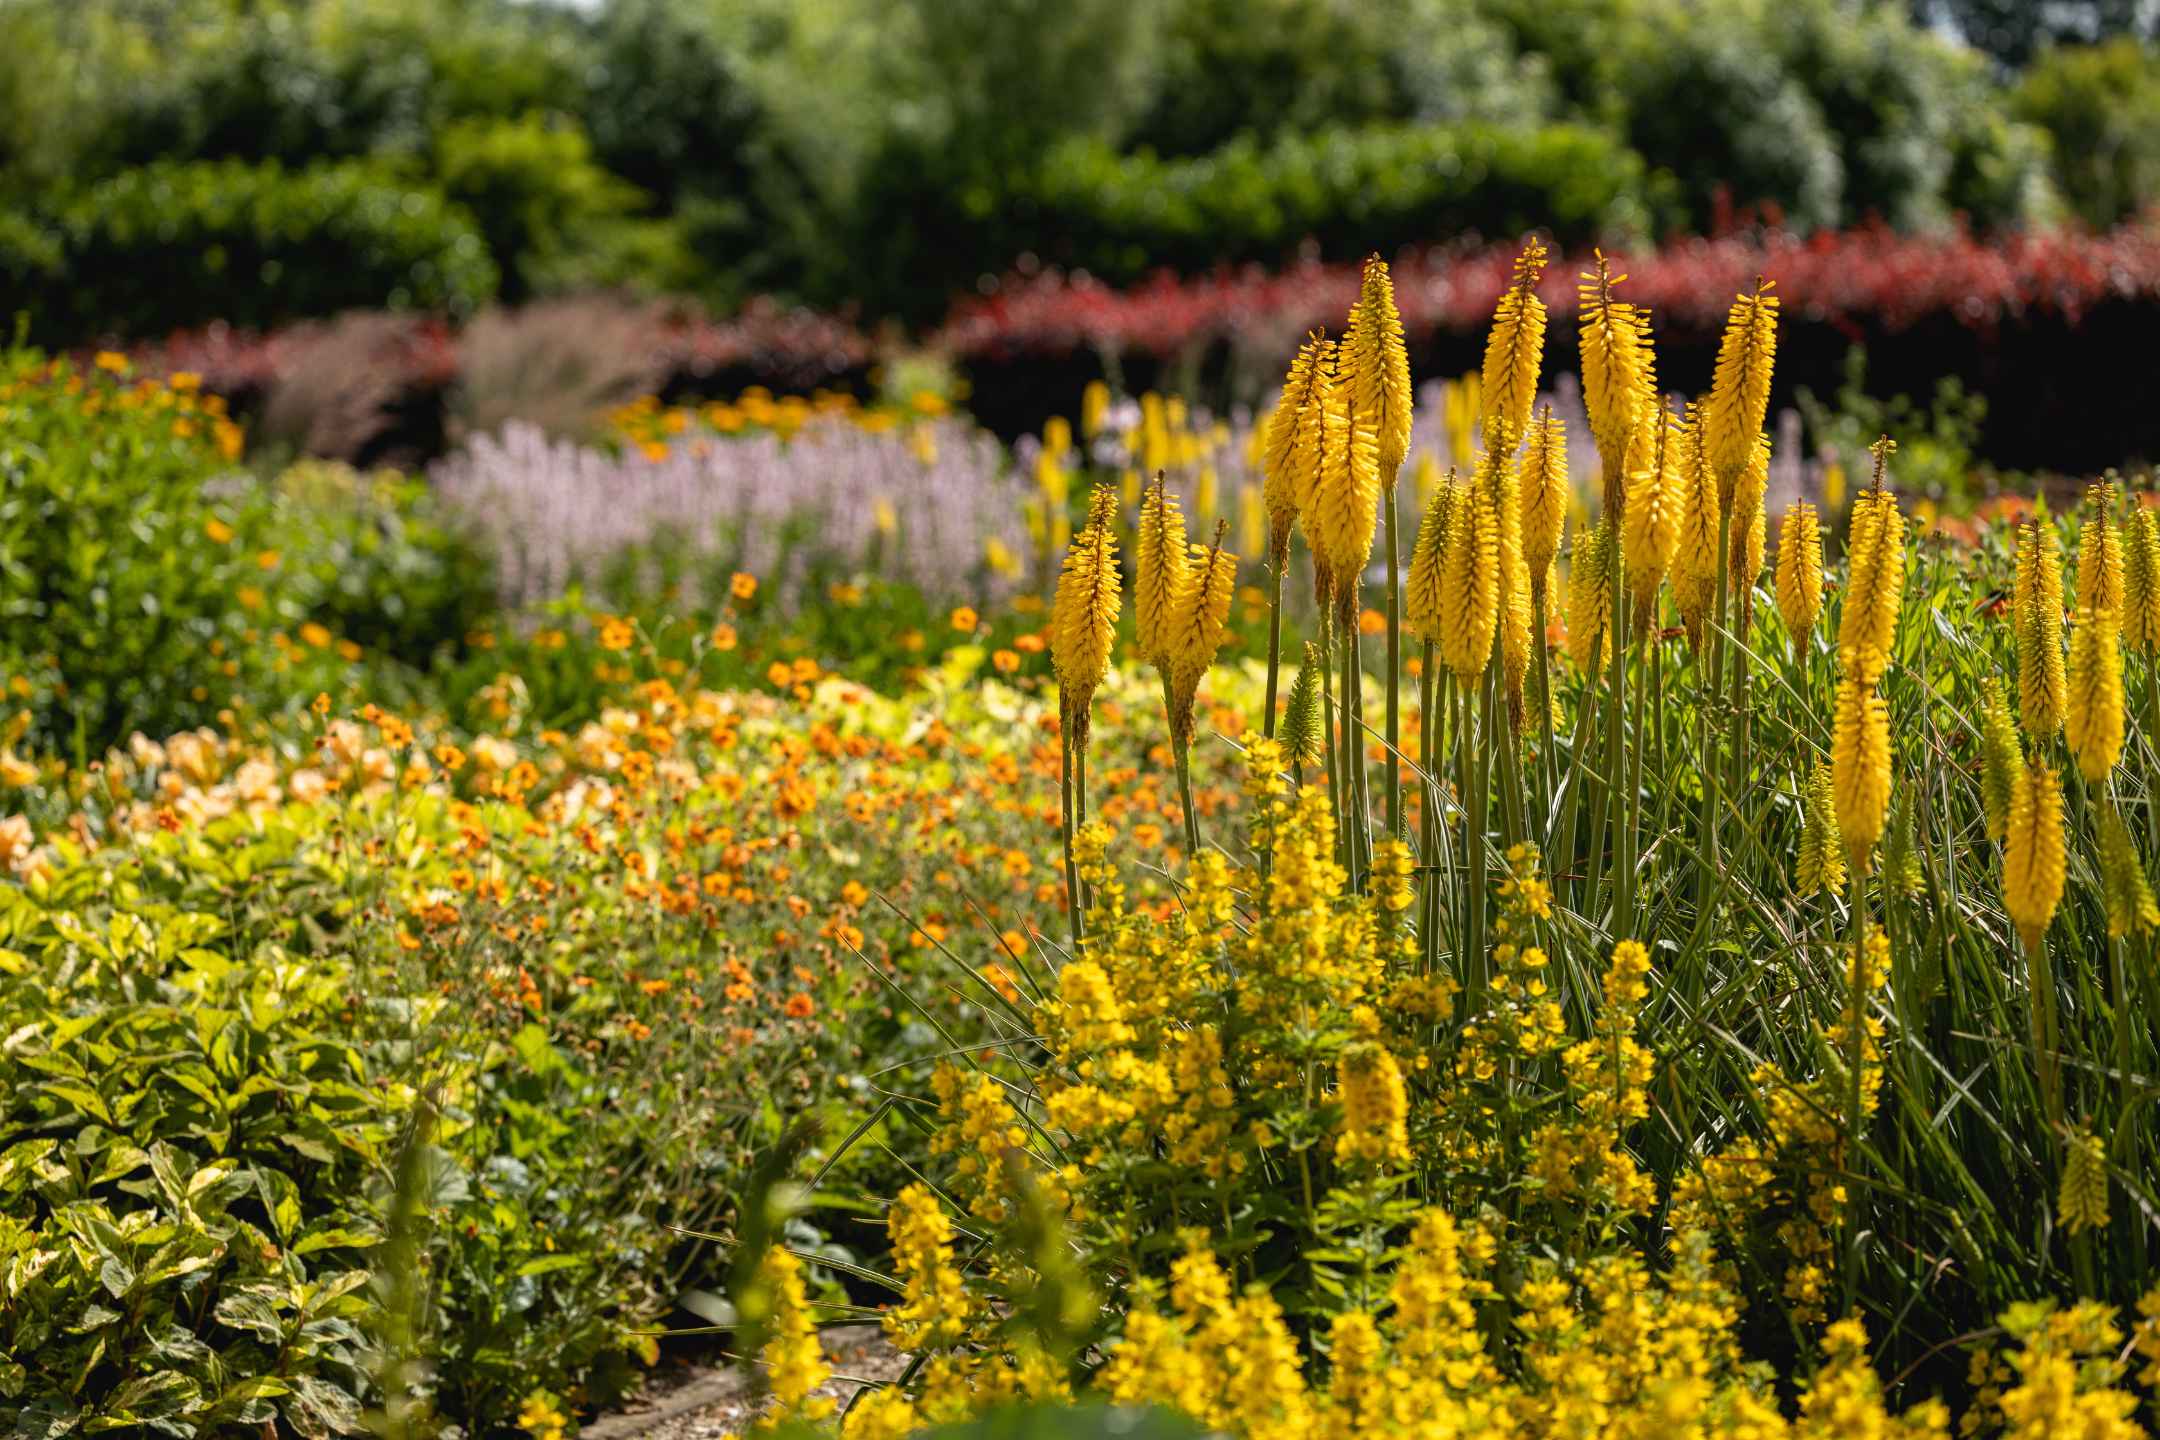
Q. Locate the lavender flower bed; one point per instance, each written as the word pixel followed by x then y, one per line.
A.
pixel 834 502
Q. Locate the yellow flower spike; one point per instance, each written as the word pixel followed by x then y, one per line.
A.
pixel 2037 614
pixel 2093 709
pixel 1799 572
pixel 1740 394
pixel 1748 524
pixel 1084 611
pixel 1498 481
pixel 1304 728
pixel 1821 869
pixel 1470 583
pixel 1380 368
pixel 1423 589
pixel 1860 767
pixel 2033 862
pixel 1292 443
pixel 2100 553
pixel 1619 375
pixel 1875 580
pixel 1339 522
pixel 1695 558
pixel 2082 1202
pixel 2131 908
pixel 1199 625
pixel 2002 758
pixel 1162 572
pixel 1589 600
pixel 1544 493
pixel 2141 583
pixel 1650 526
pixel 1375 1107
pixel 1515 351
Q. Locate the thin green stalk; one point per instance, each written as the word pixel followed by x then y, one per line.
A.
pixel 1548 761
pixel 1072 870
pixel 1478 753
pixel 1428 798
pixel 1855 1058
pixel 1274 647
pixel 1184 784
pixel 1394 671
pixel 1327 712
pixel 1711 766
pixel 1623 868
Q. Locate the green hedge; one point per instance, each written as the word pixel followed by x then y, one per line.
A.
pixel 1373 187
pixel 172 244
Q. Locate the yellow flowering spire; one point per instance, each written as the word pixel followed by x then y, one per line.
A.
pixel 2093 712
pixel 1084 611
pixel 2082 1202
pixel 1619 375
pixel 1860 767
pixel 2033 852
pixel 1650 525
pixel 1292 443
pixel 1799 572
pixel 1822 849
pixel 2131 908
pixel 1162 572
pixel 1198 627
pixel 1497 479
pixel 1378 367
pixel 1422 592
pixel 1304 728
pixel 794 1360
pixel 1740 394
pixel 2100 553
pixel 1748 524
pixel 1470 583
pixel 2141 583
pixel 1375 1108
pixel 1695 558
pixel 2036 610
pixel 1515 351
pixel 1875 578
pixel 1589 599
pixel 2002 758
pixel 1339 522
pixel 1545 493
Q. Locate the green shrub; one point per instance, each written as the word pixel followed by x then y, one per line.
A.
pixel 185 1152
pixel 172 244
pixel 377 561
pixel 119 563
pixel 1353 190
pixel 2100 106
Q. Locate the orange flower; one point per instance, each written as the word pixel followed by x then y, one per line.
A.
pixel 616 635
pixel 800 1006
pixel 1371 622
pixel 723 636
pixel 742 586
pixel 1006 662
pixel 964 619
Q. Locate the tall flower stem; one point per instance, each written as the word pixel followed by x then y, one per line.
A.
pixel 1072 871
pixel 1337 806
pixel 1274 647
pixel 1394 670
pixel 1548 760
pixel 1856 993
pixel 1615 773
pixel 1712 760
pixel 1476 751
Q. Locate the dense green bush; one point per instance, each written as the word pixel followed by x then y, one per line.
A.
pixel 172 244
pixel 2100 106
pixel 1354 190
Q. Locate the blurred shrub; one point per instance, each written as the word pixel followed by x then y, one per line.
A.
pixel 1228 68
pixel 1352 190
pixel 2100 106
pixel 173 244
pixel 552 217
pixel 119 566
pixel 378 560
pixel 559 364
pixel 1828 111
